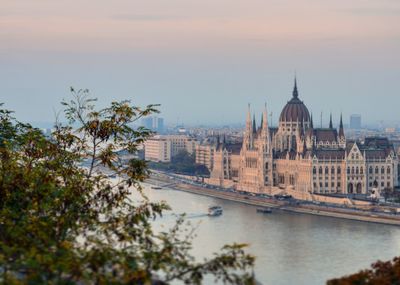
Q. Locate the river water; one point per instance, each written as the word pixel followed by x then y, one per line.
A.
pixel 290 248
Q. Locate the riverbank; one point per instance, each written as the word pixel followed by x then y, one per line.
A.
pixel 295 206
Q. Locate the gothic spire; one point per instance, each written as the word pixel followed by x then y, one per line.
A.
pixel 248 120
pixel 304 146
pixel 341 130
pixel 330 122
pixel 254 123
pixel 264 125
pixel 295 92
pixel 311 123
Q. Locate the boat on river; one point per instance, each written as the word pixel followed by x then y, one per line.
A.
pixel 215 211
pixel 264 210
pixel 156 187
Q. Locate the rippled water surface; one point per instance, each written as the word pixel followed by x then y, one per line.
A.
pixel 290 248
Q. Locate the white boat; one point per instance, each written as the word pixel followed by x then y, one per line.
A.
pixel 215 211
pixel 264 210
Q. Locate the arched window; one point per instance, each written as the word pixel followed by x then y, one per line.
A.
pixel 357 156
pixel 370 170
pixel 348 170
pixel 266 165
pixel 352 156
pixel 314 170
pixel 338 170
pixel 388 170
pixel 352 170
pixel 361 170
pixel 320 170
pixel 326 170
pixel 376 170
pixel 357 171
pixel 383 170
pixel 333 170
pixel 350 188
pixel 359 188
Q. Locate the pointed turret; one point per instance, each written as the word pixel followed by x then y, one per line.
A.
pixel 311 122
pixel 304 146
pixel 248 137
pixel 330 122
pixel 264 124
pixel 341 130
pixel 302 131
pixel 248 120
pixel 254 124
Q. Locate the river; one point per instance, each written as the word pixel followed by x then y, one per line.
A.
pixel 290 248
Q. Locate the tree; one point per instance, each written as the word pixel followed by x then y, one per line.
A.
pixel 387 193
pixel 381 273
pixel 183 163
pixel 62 223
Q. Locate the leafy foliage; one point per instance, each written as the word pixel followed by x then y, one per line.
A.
pixel 61 223
pixel 182 163
pixel 381 273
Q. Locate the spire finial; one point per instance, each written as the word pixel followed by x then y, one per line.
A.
pixel 295 92
pixel 330 122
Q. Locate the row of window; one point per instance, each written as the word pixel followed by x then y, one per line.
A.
pixel 333 184
pixel 326 177
pixel 355 170
pixel 351 170
pixel 360 170
pixel 251 162
pixel 375 184
pixel 333 170
pixel 377 170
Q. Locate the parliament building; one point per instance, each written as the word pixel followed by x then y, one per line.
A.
pixel 300 157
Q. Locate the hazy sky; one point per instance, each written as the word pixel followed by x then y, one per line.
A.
pixel 203 60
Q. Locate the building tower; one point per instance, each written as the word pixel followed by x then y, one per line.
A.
pixel 342 138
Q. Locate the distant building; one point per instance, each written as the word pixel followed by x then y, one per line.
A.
pixel 390 130
pixel 205 155
pixel 154 124
pixel 355 122
pixel 301 159
pixel 180 143
pixel 162 148
pixel 157 149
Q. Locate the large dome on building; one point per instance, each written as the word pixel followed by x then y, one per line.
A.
pixel 295 110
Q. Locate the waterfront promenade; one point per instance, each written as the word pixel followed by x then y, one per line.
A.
pixel 291 205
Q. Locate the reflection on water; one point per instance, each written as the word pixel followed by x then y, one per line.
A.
pixel 290 248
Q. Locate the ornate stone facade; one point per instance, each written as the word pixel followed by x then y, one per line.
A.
pixel 300 157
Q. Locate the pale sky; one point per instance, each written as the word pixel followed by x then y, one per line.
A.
pixel 203 61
